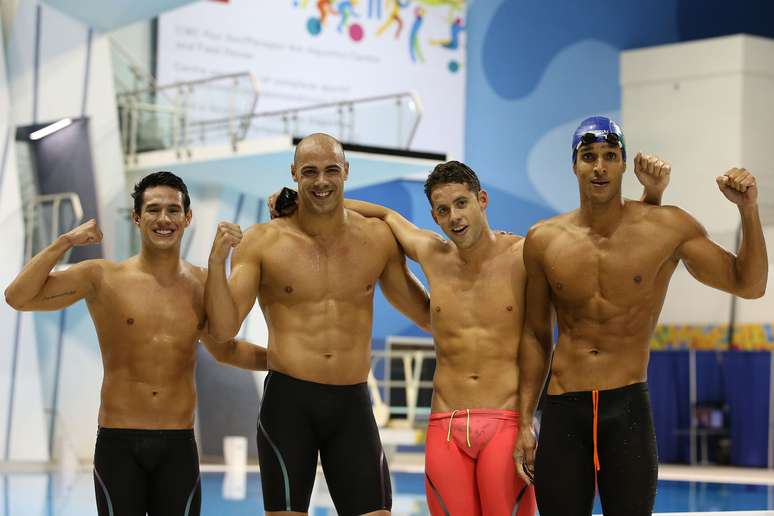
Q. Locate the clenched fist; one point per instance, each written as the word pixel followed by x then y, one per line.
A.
pixel 739 187
pixel 86 234
pixel 652 172
pixel 227 236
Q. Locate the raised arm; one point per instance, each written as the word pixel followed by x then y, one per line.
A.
pixel 744 274
pixel 37 288
pixel 653 173
pixel 401 288
pixel 227 302
pixel 411 238
pixel 534 352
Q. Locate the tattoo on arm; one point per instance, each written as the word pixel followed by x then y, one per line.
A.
pixel 61 294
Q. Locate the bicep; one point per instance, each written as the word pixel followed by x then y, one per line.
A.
pixel 65 287
pixel 537 318
pixel 244 282
pixel 708 262
pixel 410 237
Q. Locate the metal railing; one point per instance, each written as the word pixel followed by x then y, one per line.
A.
pixel 173 116
pixel 44 221
pixel 383 120
pixel 221 110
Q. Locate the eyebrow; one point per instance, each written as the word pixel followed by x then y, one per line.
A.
pixel 157 205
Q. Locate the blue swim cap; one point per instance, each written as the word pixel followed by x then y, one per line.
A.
pixel 598 129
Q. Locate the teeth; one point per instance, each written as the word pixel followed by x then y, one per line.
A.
pixel 321 194
pixel 164 231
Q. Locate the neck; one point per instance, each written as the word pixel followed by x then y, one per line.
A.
pixel 479 251
pixel 602 218
pixel 321 224
pixel 164 262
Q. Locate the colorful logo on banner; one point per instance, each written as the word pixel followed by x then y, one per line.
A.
pixel 747 337
pixel 359 19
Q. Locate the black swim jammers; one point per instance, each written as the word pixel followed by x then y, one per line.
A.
pixel 146 471
pixel 299 419
pixel 604 434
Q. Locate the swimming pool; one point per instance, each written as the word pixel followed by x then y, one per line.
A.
pixel 56 494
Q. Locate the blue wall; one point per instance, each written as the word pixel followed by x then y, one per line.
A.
pixel 535 69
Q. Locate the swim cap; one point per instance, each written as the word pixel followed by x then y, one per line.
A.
pixel 598 129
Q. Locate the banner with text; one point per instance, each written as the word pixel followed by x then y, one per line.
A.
pixel 306 52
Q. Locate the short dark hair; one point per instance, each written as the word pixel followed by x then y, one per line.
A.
pixel 451 172
pixel 162 178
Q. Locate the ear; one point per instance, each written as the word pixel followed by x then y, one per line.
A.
pixel 346 170
pixel 293 172
pixel 188 217
pixel 135 217
pixel 483 199
pixel 432 214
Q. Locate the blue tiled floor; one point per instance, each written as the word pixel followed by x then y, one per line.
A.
pixel 54 495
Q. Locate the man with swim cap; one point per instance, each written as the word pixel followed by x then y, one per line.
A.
pixel 477 282
pixel 605 268
pixel 314 274
pixel 149 315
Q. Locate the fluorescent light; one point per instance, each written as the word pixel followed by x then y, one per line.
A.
pixel 49 129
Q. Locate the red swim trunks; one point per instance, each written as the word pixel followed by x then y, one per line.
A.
pixel 469 468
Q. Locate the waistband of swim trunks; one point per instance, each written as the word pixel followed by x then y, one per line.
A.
pixel 184 433
pixel 510 415
pixel 606 394
pixel 276 375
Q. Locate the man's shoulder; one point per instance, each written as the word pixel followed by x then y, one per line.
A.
pixel 551 227
pixel 195 271
pixel 664 216
pixel 508 242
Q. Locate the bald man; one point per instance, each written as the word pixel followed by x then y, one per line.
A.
pixel 314 274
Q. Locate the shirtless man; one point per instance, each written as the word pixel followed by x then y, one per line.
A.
pixel 477 281
pixel 149 315
pixel 605 269
pixel 314 274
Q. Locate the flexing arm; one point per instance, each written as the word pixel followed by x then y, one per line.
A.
pixel 227 302
pixel 653 173
pixel 744 274
pixel 37 288
pixel 237 353
pixel 410 237
pixel 402 289
pixel 534 353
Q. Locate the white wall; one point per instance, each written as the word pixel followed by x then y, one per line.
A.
pixel 705 106
pixel 21 400
pixel 72 78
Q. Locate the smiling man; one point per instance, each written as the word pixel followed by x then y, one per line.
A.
pixel 149 315
pixel 314 274
pixel 477 281
pixel 605 269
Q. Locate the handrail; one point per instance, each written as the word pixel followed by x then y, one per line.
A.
pixel 177 105
pixel 194 82
pixel 340 103
pixel 56 200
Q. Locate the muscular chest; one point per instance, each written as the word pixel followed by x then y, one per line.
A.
pixel 488 295
pixel 136 306
pixel 624 268
pixel 304 271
